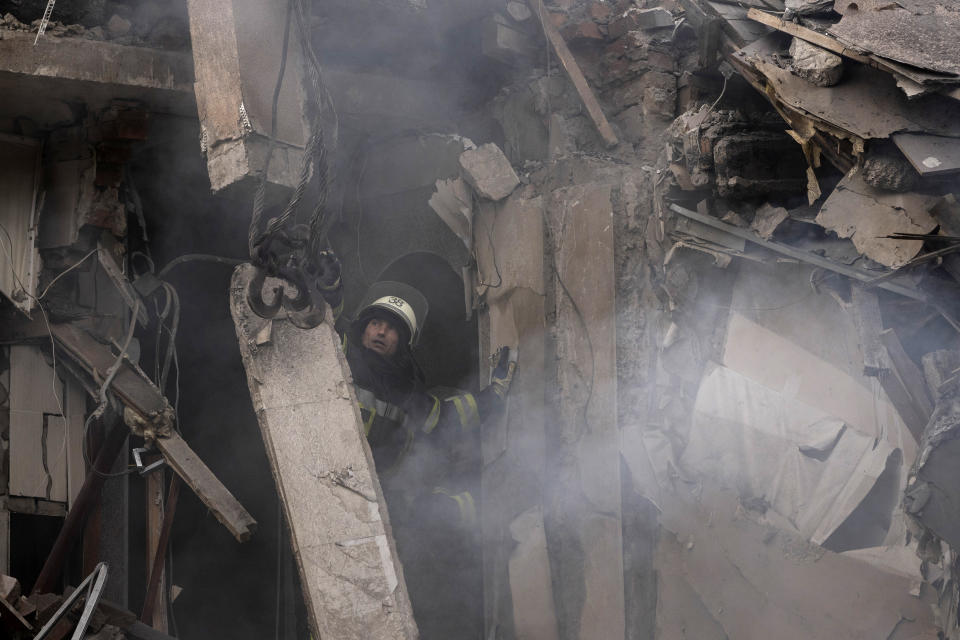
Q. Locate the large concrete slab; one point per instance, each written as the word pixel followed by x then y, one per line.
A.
pixel 237 50
pixel 508 236
pixel 340 532
pixel 42 81
pixel 587 515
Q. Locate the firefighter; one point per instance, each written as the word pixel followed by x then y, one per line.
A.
pixel 425 443
pixel 395 404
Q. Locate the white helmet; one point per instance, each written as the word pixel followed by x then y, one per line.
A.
pixel 403 301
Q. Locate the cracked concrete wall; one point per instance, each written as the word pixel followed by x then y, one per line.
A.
pixel 569 531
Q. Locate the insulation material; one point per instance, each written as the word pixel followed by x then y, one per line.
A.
pixel 529 569
pixel 453 202
pixel 789 420
pixel 803 345
pixel 45 457
pixel 866 215
pixel 807 465
pixel 19 177
pixel 753 581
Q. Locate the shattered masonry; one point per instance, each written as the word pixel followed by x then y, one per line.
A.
pixel 720 235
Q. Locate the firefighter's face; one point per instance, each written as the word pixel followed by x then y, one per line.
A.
pixel 380 336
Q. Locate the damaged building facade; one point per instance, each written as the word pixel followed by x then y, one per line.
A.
pixel 719 236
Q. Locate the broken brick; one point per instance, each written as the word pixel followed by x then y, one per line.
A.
pixel 630 122
pixel 108 174
pixel 586 30
pixel 660 94
pixel 600 12
pixel 660 61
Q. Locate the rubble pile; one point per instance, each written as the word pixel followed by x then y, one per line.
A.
pixel 854 175
pixel 22 616
pixel 140 24
pixel 721 235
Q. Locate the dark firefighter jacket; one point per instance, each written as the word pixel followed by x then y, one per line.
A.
pixel 402 418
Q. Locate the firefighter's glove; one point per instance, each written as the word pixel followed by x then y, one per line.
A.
pixel 328 271
pixel 502 377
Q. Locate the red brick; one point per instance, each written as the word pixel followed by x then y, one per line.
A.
pixel 660 61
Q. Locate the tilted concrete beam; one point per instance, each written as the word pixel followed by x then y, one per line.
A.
pixel 340 532
pixel 41 81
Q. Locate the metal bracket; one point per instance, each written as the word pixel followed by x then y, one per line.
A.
pixel 153 466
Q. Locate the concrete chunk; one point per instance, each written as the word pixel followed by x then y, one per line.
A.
pixel 814 64
pixel 767 219
pixel 518 11
pixel 656 18
pixel 488 171
pixel 118 26
pixel 502 42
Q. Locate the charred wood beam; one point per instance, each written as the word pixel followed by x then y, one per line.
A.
pixel 569 63
pixel 208 488
pixel 811 36
pixel 132 387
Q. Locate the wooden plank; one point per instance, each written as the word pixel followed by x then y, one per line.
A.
pixel 575 74
pixel 130 384
pixel 324 472
pixel 856 274
pixel 36 507
pixel 137 392
pixel 11 620
pixel 208 488
pixel 32 385
pixel 155 602
pixel 809 35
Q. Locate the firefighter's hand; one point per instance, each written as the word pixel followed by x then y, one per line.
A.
pixel 328 271
pixel 503 371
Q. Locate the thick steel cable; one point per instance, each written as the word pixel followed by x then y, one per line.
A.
pixel 254 235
